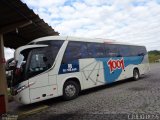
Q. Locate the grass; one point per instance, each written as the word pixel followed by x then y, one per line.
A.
pixel 153 57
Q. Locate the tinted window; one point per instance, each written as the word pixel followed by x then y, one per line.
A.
pixel 133 51
pixel 111 50
pixel 124 50
pixel 96 50
pixel 137 50
pixel 74 51
pixel 41 59
pixel 141 50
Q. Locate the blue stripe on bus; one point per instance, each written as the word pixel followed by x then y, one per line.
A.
pixel 112 76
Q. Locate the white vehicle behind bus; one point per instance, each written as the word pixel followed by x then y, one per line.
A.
pixel 55 66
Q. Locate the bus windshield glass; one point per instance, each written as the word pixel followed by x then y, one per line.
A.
pixel 40 60
pixel 33 61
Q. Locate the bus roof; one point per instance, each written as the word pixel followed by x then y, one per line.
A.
pixel 70 38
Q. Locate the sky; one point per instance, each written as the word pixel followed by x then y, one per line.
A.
pixel 131 21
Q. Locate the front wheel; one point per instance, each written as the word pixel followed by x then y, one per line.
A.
pixel 136 74
pixel 70 90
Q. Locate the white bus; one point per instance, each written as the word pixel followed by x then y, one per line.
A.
pixel 55 66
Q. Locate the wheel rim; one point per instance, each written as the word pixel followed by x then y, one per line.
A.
pixel 70 90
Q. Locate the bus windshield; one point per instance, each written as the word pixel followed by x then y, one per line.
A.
pixel 35 60
pixel 40 60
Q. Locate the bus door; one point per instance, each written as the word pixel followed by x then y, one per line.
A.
pixel 39 65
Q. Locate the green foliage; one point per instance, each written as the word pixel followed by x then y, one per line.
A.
pixel 153 55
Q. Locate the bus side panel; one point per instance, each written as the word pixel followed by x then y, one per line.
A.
pixel 101 71
pixel 90 67
pixel 92 72
pixel 117 68
pixel 128 72
pixel 140 62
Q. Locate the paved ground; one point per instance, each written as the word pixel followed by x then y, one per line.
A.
pixel 122 100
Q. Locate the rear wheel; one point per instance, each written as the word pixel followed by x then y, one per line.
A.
pixel 136 74
pixel 70 90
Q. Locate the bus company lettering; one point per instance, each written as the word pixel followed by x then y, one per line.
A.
pixel 70 68
pixel 115 64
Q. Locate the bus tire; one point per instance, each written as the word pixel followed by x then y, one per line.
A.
pixel 136 75
pixel 70 90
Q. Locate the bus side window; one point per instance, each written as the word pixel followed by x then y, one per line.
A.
pixel 141 51
pixel 96 50
pixel 124 50
pixel 111 50
pixel 138 50
pixel 41 59
pixel 74 51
